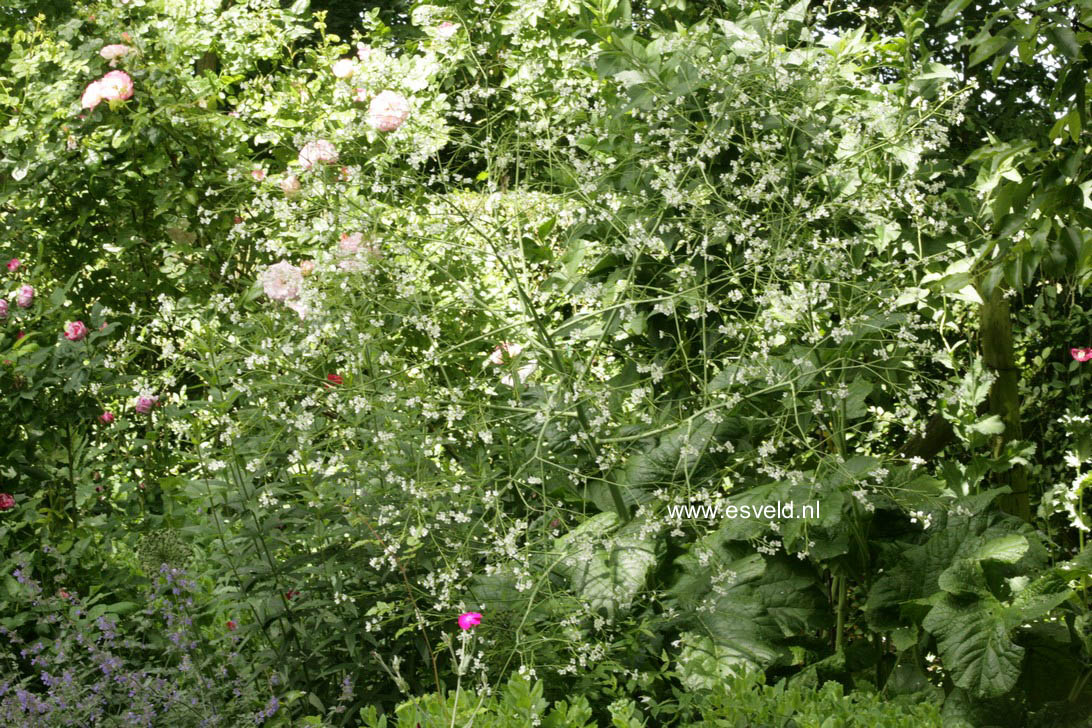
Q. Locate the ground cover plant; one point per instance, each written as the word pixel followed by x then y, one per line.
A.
pixel 544 363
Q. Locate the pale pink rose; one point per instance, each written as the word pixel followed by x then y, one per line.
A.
pixel 446 29
pixel 257 174
pixel 504 352
pixel 290 185
pixel 92 96
pixel 75 330
pixel 317 152
pixel 144 403
pixel 350 244
pixel 344 68
pixel 116 86
pixel 3 309
pixel 113 52
pixel 364 52
pixel 282 281
pixel 388 111
pixel 25 297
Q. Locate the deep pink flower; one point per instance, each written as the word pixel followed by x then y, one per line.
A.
pixel 145 403
pixel 333 379
pixel 25 297
pixel 231 625
pixel 75 330
pixel 7 500
pixel 3 309
pixel 106 417
pixel 20 335
pixel 469 620
pixel 13 264
pixel 1081 355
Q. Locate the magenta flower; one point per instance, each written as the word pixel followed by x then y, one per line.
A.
pixel 3 309
pixel 469 620
pixel 106 417
pixel 25 297
pixel 75 330
pixel 7 500
pixel 144 404
pixel 1081 355
pixel 13 265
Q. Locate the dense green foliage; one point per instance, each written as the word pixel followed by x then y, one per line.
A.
pixel 326 325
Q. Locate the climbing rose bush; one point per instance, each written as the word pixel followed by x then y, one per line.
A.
pixel 388 111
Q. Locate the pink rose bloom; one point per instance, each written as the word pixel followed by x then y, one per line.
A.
pixel 350 244
pixel 282 281
pixel 25 297
pixel 505 351
pixel 144 404
pixel 75 330
pixel 7 500
pixel 258 174
pixel 388 111
pixel 3 309
pixel 1081 355
pixel 344 68
pixel 13 265
pixel 116 86
pixel 290 185
pixel 113 52
pixel 317 152
pixel 446 29
pixel 469 620
pixel 363 52
pixel 92 96
pixel 106 417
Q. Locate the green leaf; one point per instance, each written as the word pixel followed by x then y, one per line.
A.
pixel 987 48
pixel 953 9
pixel 991 425
pixel 975 647
pixel 1007 549
pixel 607 571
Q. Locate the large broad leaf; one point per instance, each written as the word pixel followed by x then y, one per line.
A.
pixel 607 569
pixel 679 455
pixel 974 644
pixel 742 611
